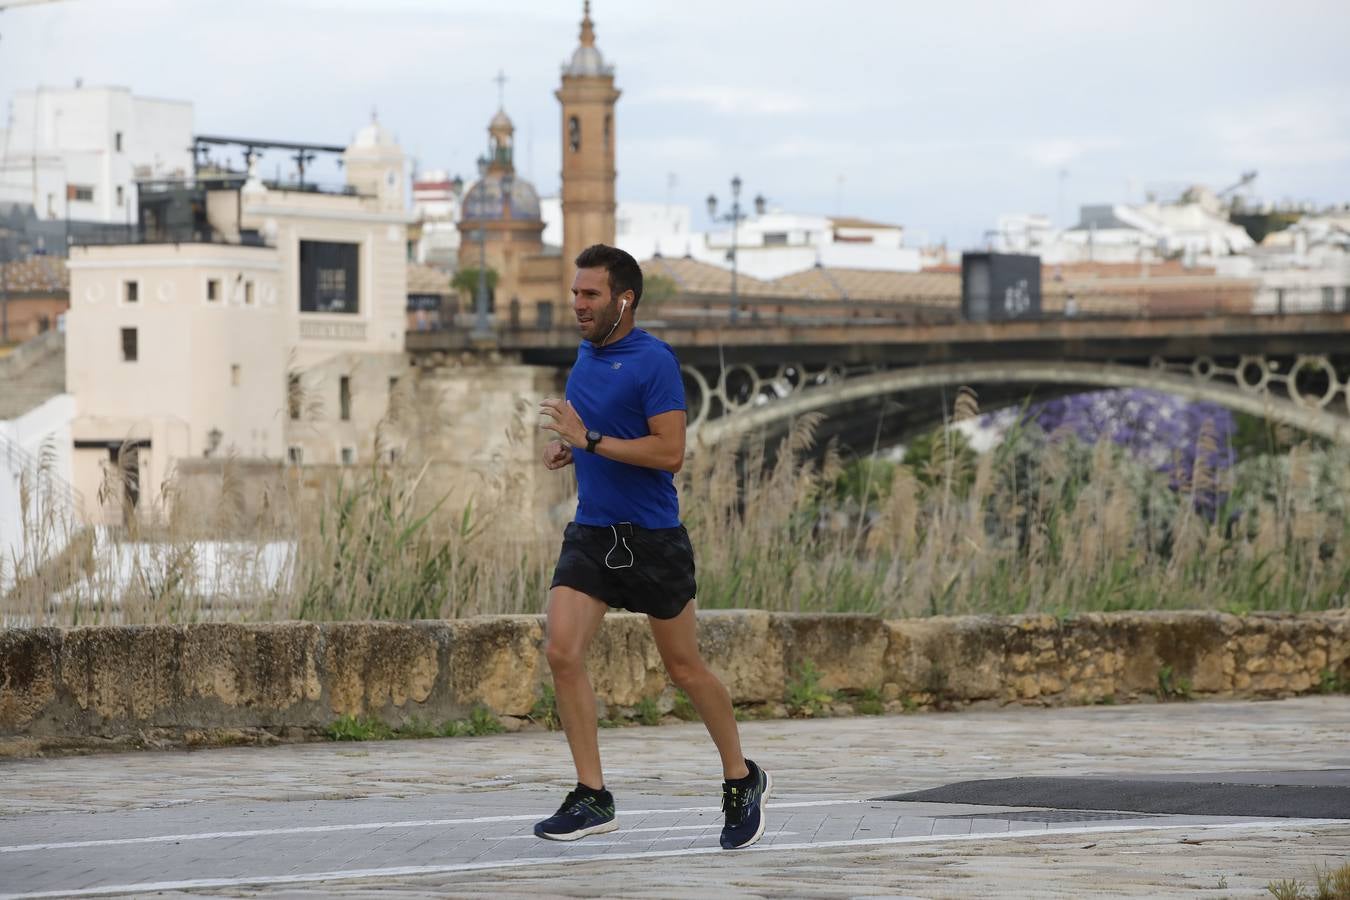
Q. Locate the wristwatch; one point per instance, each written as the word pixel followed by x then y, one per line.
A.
pixel 592 438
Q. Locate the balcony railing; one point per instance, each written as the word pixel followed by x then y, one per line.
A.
pixel 114 235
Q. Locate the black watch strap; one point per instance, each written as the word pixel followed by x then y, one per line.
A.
pixel 592 438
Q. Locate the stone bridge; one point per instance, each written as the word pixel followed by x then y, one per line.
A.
pixel 878 380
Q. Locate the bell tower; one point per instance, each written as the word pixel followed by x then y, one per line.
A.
pixel 587 96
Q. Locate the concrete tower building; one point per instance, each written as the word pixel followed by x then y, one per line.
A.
pixel 587 96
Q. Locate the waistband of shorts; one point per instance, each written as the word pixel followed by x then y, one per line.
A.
pixel 628 529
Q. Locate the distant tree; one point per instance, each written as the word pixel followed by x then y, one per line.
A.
pixel 467 280
pixel 658 288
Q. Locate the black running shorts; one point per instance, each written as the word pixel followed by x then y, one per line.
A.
pixel 643 570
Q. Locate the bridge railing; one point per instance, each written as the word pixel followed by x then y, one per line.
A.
pixel 1158 298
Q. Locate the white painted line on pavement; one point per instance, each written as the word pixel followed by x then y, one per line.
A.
pixel 405 871
pixel 370 826
pixel 622 830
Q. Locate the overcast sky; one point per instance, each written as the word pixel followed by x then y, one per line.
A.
pixel 938 116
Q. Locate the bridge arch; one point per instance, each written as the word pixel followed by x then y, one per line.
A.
pixel 838 391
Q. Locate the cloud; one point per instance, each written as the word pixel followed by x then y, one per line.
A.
pixel 1051 153
pixel 734 100
pixel 1293 130
pixel 670 149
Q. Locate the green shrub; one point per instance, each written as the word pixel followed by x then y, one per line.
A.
pixel 805 696
pixel 1172 687
pixel 358 728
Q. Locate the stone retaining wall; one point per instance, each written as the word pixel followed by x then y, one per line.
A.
pixel 212 683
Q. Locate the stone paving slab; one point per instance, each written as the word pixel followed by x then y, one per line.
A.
pixel 451 817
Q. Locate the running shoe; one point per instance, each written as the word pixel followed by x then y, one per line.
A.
pixel 744 806
pixel 585 811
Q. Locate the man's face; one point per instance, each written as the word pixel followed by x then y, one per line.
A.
pixel 595 309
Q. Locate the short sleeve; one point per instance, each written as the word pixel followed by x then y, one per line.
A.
pixel 663 389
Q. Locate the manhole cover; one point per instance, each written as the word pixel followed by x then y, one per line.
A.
pixel 1055 815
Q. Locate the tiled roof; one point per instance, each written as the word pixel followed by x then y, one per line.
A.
pixel 37 274
pixel 694 277
pixel 833 283
pixel 428 280
pixel 851 222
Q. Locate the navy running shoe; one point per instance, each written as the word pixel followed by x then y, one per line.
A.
pixel 744 807
pixel 585 811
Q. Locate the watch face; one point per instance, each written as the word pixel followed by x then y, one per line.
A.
pixel 593 436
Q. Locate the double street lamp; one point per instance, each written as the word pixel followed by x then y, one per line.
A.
pixel 734 217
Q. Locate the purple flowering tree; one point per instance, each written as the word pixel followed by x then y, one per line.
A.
pixel 1167 433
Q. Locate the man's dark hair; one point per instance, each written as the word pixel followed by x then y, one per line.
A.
pixel 624 272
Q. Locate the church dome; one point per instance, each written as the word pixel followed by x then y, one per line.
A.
pixel 501 121
pixel 484 201
pixel 374 135
pixel 586 59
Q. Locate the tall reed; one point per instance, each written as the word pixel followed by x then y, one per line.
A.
pixel 1038 523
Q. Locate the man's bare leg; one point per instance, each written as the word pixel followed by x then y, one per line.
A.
pixel 677 639
pixel 573 618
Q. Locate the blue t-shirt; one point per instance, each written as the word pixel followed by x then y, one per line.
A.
pixel 616 389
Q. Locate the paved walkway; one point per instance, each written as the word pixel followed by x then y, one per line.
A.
pixel 451 817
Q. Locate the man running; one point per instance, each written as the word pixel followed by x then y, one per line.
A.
pixel 622 425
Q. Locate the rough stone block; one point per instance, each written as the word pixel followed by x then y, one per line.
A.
pixel 848 650
pixel 28 674
pixel 377 667
pixel 746 652
pixel 497 662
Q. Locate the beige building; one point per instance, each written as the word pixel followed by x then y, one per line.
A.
pixel 587 96
pixel 263 320
pixel 502 223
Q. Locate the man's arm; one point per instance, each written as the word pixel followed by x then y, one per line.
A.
pixel 662 449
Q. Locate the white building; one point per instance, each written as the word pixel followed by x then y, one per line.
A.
pixel 1195 229
pixel 274 331
pixel 1303 268
pixel 76 153
pixel 769 244
pixel 773 244
pixel 436 207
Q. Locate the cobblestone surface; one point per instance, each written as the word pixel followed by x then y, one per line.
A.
pixel 451 817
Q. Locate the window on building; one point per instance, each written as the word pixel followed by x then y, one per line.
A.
pixel 212 290
pixel 293 397
pixel 119 195
pixel 295 455
pixel 349 456
pixel 775 239
pixel 131 291
pixel 117 142
pixel 234 375
pixel 129 345
pixel 328 277
pixel 248 293
pixel 1328 299
pixel 83 193
pixel 574 133
pixel 345 398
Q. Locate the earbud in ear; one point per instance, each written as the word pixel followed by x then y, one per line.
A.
pixel 623 304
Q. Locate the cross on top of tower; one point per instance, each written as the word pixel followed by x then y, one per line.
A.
pixel 501 89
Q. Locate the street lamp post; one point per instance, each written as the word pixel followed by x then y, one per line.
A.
pixel 734 217
pixel 481 329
